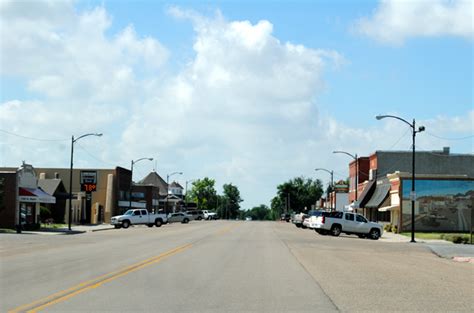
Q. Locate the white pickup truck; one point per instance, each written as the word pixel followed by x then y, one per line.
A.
pixel 137 217
pixel 336 223
pixel 209 215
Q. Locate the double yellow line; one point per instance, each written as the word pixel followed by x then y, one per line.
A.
pixel 61 296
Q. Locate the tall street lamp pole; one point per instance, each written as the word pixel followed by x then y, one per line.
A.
pixel 131 180
pixel 357 170
pixel 168 188
pixel 413 194
pixel 332 185
pixel 70 173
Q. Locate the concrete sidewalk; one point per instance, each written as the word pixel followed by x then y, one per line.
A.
pixel 75 229
pixel 442 248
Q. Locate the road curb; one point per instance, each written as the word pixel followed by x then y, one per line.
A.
pixel 463 259
pixel 102 229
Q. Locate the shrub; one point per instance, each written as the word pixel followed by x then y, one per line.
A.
pixel 394 229
pixel 387 227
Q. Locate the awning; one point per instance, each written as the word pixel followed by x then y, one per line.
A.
pixel 365 195
pixel 389 208
pixel 35 195
pixel 380 193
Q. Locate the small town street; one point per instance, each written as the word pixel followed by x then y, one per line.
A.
pixel 226 266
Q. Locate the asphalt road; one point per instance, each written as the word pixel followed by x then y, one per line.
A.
pixel 221 266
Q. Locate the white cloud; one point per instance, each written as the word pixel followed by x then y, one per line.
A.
pixel 394 21
pixel 242 110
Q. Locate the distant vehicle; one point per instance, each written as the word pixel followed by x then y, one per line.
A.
pixel 336 223
pixel 209 215
pixel 137 217
pixel 196 214
pixel 179 217
pixel 285 217
pixel 248 218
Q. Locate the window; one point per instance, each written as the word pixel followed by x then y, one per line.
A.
pixel 335 214
pixel 361 219
pixel 135 213
pixel 144 212
pixel 349 216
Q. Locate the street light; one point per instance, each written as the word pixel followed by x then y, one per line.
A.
pixel 357 170
pixel 131 181
pixel 168 188
pixel 332 184
pixel 413 195
pixel 70 173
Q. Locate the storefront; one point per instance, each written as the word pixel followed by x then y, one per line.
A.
pixel 30 197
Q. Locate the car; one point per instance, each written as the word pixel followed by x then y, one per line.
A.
pixel 137 217
pixel 180 217
pixel 196 214
pixel 248 218
pixel 311 218
pixel 285 217
pixel 209 215
pixel 338 222
pixel 298 219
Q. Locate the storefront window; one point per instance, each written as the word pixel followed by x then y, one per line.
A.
pixel 441 205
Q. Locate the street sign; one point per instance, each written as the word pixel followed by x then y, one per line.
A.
pixel 88 181
pixel 88 177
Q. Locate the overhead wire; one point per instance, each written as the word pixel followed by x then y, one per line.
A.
pixel 31 138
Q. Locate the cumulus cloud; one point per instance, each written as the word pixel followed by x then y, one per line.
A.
pixel 242 110
pixel 395 21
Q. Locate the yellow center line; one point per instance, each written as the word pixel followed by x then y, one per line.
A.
pixel 94 283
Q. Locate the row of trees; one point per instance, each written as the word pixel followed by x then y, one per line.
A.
pixel 204 193
pixel 296 195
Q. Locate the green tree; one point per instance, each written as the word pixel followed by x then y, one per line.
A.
pixel 260 213
pixel 298 194
pixel 277 207
pixel 204 194
pixel 231 201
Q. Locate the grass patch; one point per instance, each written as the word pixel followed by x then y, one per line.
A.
pixel 7 231
pixel 453 237
pixel 53 226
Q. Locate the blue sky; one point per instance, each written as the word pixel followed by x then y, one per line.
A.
pixel 248 92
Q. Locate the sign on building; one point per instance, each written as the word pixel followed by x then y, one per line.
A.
pixel 88 181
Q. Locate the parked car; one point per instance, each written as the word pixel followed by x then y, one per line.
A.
pixel 336 223
pixel 209 215
pixel 298 219
pixel 180 217
pixel 311 218
pixel 285 217
pixel 196 214
pixel 137 217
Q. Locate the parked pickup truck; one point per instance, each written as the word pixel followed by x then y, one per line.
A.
pixel 336 223
pixel 209 215
pixel 137 217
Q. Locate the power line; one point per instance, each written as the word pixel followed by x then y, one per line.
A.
pixel 31 138
pixel 445 138
pixel 93 156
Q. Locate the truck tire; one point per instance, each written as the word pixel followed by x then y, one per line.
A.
pixel 185 221
pixel 335 230
pixel 158 222
pixel 374 234
pixel 125 224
